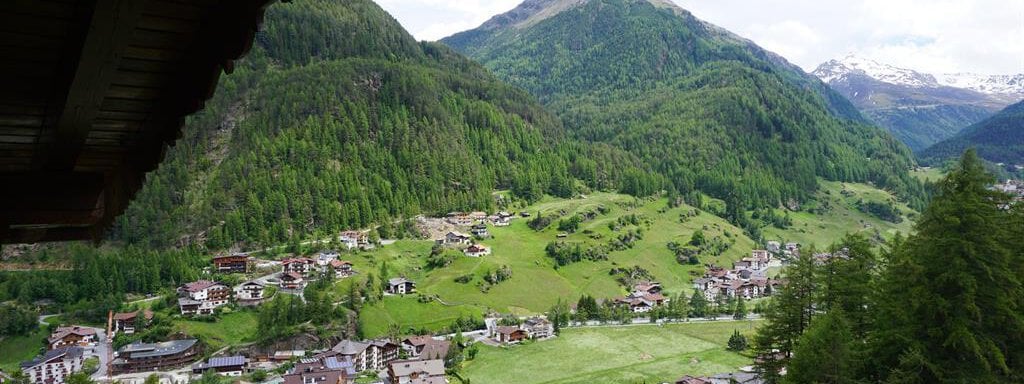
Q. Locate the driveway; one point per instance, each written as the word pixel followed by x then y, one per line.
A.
pixel 102 350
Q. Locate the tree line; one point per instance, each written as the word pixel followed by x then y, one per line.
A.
pixel 943 305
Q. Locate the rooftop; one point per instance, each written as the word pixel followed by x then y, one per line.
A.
pixel 219 362
pixel 200 285
pixel 140 350
pixel 408 367
pixel 67 352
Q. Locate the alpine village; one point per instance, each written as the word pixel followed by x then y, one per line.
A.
pixel 576 191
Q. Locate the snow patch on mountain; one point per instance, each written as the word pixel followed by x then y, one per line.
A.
pixel 987 84
pixel 841 69
pixel 835 70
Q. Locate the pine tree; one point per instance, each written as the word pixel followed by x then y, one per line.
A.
pixel 698 305
pixel 741 309
pixel 825 353
pixel 950 300
pixel 787 317
pixel 845 281
pixel 737 342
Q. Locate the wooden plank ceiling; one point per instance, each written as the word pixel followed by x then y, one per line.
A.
pixel 91 94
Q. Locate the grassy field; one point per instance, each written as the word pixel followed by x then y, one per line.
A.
pixel 14 350
pixel 231 329
pixel 928 174
pixel 408 313
pixel 843 217
pixel 634 354
pixel 536 284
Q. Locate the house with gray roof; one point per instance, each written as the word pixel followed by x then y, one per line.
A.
pixel 322 370
pixel 417 372
pixel 371 355
pixel 54 366
pixel 400 286
pixel 225 366
pixel 148 357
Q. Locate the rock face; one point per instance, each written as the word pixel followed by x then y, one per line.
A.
pixel 920 109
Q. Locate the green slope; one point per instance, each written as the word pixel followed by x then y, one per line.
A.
pixel 339 119
pixel 536 284
pixel 999 139
pixel 705 108
pixel 922 127
pixel 639 354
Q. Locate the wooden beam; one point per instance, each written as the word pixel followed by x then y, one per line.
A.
pixel 110 28
pixel 50 206
pixel 227 33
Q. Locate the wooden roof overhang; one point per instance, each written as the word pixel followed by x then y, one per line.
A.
pixel 92 92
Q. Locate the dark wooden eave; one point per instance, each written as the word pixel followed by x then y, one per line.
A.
pixel 92 94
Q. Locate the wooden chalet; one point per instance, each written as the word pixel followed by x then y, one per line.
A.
pixel 93 93
pixel 238 263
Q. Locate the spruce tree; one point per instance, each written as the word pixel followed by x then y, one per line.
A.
pixel 788 316
pixel 741 309
pixel 845 280
pixel 824 355
pixel 950 302
pixel 698 305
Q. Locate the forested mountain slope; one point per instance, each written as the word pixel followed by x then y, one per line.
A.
pixel 999 139
pixel 339 119
pixel 699 105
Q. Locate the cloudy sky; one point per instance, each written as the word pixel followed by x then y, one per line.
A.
pixel 937 36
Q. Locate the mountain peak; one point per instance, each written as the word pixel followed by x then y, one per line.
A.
pixel 1004 87
pixel 531 12
pixel 851 64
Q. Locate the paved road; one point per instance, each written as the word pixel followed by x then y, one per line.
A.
pixel 42 319
pixel 645 321
pixel 154 298
pixel 102 349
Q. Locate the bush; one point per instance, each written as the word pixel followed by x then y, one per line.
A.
pixel 737 342
pixel 570 225
pixel 884 211
pixel 539 223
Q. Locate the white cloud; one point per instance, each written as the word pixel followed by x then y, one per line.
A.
pixel 436 19
pixel 985 36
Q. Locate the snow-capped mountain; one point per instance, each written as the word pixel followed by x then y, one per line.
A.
pixel 1002 86
pixel 919 108
pixel 987 84
pixel 839 70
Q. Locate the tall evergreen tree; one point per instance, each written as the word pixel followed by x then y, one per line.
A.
pixel 740 312
pixel 825 353
pixel 846 278
pixel 788 316
pixel 950 301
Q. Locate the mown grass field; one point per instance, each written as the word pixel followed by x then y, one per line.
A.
pixel 230 329
pixel 930 174
pixel 628 354
pixel 408 313
pixel 843 217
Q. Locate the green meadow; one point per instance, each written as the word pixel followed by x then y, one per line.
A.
pixel 624 354
pixel 536 283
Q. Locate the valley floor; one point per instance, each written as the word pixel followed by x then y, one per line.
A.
pixel 627 354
